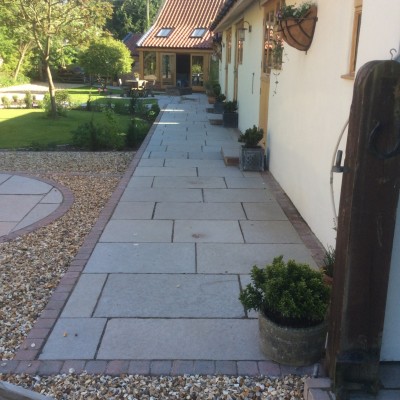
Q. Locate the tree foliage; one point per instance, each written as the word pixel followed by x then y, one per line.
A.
pixel 131 16
pixel 106 57
pixel 47 22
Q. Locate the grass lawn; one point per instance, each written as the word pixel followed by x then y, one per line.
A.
pixel 21 128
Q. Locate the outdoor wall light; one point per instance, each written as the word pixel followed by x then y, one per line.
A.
pixel 242 30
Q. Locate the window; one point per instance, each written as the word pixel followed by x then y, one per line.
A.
pixel 355 36
pixel 164 32
pixel 149 63
pixel 198 33
pixel 273 44
pixel 229 46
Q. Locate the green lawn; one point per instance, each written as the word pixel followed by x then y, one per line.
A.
pixel 20 127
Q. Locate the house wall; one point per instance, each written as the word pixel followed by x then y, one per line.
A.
pixel 313 101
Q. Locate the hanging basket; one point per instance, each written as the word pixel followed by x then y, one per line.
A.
pixel 299 32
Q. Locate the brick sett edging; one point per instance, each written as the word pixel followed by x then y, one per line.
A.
pixel 152 367
pixel 67 201
pixel 25 360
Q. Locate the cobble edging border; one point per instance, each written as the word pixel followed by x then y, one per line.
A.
pixel 25 360
pixel 65 205
pixel 152 367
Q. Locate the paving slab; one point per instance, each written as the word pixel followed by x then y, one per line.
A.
pixel 165 171
pixel 189 182
pixel 23 185
pixel 151 162
pixel 198 211
pixel 209 155
pixel 269 232
pixel 141 181
pixel 192 162
pixel 182 296
pixel 134 210
pixel 239 258
pixel 74 339
pixel 53 197
pixel 13 208
pixel 168 154
pixel 142 258
pixel 162 194
pixel 270 210
pixel 183 339
pixel 237 195
pixel 207 231
pixel 137 231
pixel 85 296
pixel 39 212
pixel 222 171
pixel 242 182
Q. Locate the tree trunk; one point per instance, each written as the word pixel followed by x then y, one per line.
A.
pixel 52 90
pixel 22 53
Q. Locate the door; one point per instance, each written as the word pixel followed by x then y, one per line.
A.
pixel 198 70
pixel 228 56
pixel 168 70
pixel 183 70
pixel 272 59
pixel 238 60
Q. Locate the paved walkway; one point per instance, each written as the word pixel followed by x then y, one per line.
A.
pixel 155 287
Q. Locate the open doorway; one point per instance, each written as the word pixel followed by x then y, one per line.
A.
pixel 183 70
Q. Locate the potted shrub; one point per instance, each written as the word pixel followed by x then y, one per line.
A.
pixel 230 116
pixel 292 300
pixel 297 24
pixel 252 155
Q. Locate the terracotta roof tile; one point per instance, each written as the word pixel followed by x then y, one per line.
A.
pixel 130 41
pixel 183 16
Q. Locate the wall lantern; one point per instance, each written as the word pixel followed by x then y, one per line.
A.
pixel 242 30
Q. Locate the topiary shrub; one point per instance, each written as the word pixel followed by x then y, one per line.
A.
pixel 28 100
pixel 290 294
pixel 6 102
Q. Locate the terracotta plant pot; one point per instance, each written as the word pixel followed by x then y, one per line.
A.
pixel 292 346
pixel 299 32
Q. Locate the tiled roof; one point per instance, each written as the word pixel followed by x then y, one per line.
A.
pixel 130 41
pixel 183 16
pixel 228 4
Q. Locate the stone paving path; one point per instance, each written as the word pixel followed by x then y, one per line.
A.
pixel 160 280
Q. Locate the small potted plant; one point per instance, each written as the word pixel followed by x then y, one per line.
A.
pixel 230 116
pixel 297 24
pixel 252 155
pixel 292 300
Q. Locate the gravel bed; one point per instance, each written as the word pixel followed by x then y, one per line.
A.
pixel 181 387
pixel 32 265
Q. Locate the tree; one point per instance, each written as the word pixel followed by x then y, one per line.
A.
pixel 52 20
pixel 106 57
pixel 132 16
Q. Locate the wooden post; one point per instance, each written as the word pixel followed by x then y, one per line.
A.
pixel 367 216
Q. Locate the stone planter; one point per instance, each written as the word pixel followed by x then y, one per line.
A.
pixel 252 159
pixel 299 32
pixel 230 119
pixel 292 346
pixel 218 107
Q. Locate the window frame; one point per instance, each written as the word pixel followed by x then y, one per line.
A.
pixel 195 34
pixel 162 34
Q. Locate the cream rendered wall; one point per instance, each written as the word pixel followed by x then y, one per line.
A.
pixel 307 114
